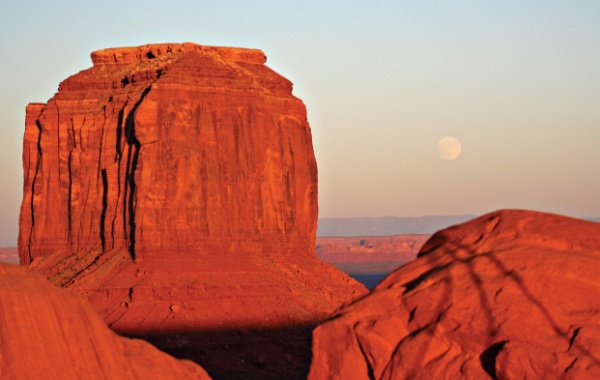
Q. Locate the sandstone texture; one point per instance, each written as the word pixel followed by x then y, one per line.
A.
pixel 368 249
pixel 175 187
pixel 49 333
pixel 169 147
pixel 512 294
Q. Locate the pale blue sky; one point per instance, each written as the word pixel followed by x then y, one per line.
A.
pixel 518 83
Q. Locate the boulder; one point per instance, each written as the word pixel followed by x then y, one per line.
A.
pixel 511 294
pixel 50 333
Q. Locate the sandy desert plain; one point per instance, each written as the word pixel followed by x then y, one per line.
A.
pixel 169 230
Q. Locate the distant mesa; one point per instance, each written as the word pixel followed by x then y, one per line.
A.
pixel 369 249
pixel 369 259
pixel 511 294
pixel 9 255
pixel 50 333
pixel 175 187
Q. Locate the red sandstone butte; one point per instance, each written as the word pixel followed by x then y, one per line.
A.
pixel 510 295
pixel 175 187
pixel 168 149
pixel 49 333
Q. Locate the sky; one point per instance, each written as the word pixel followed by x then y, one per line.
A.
pixel 517 83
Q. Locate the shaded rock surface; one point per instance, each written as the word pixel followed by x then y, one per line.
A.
pixel 175 186
pixel 49 333
pixel 512 294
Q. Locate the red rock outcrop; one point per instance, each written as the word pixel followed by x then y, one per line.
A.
pixel 49 333
pixel 175 186
pixel 169 147
pixel 512 294
pixel 368 249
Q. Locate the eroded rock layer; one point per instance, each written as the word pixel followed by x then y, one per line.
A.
pixel 512 294
pixel 176 147
pixel 175 186
pixel 49 333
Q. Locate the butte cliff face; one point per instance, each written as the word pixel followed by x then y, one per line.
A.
pixel 169 148
pixel 48 333
pixel 175 186
pixel 512 294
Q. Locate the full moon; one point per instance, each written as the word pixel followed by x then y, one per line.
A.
pixel 449 148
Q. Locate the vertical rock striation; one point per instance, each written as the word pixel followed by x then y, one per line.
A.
pixel 175 186
pixel 182 148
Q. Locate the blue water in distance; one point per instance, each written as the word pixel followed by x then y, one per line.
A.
pixel 369 280
pixel 371 273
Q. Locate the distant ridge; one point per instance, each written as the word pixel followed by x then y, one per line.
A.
pixel 392 225
pixel 386 225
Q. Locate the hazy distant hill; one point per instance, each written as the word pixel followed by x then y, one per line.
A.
pixel 386 226
pixel 390 225
pixel 9 255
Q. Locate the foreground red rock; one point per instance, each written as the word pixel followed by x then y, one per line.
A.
pixel 512 294
pixel 175 186
pixel 49 333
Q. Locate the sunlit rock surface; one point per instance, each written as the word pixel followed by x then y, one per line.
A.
pixel 49 333
pixel 175 186
pixel 169 148
pixel 512 294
